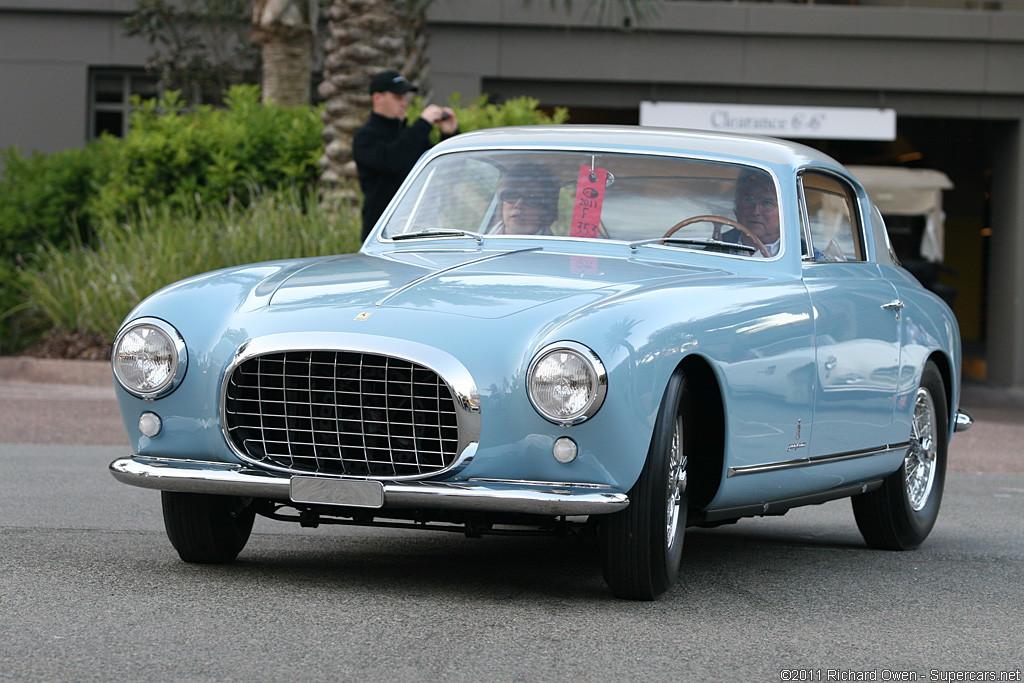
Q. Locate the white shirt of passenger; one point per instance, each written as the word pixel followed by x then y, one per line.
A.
pixel 772 249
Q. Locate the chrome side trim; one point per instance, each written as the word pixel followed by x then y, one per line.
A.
pixel 816 460
pixel 963 422
pixel 446 366
pixel 192 476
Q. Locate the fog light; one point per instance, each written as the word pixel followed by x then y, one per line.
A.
pixel 149 424
pixel 564 450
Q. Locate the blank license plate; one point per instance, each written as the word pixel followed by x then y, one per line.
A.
pixel 354 493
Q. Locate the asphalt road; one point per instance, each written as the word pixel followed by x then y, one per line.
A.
pixel 90 588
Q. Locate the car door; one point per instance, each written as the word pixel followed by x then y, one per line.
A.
pixel 856 314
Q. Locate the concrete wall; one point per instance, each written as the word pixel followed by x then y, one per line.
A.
pixel 46 50
pixel 693 51
pixel 1006 281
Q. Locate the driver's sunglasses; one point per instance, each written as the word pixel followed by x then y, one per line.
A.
pixel 513 196
pixel 766 203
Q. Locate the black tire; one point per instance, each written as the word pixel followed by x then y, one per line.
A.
pixel 901 513
pixel 641 546
pixel 207 529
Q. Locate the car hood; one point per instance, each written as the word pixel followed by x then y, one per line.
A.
pixel 476 283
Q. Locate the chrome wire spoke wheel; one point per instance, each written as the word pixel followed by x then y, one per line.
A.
pixel 642 545
pixel 676 485
pixel 920 464
pixel 900 513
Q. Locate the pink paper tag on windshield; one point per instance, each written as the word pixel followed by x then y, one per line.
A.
pixel 586 213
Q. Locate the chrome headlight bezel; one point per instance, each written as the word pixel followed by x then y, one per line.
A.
pixel 174 347
pixel 598 383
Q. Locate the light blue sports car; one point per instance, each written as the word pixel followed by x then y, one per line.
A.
pixel 607 331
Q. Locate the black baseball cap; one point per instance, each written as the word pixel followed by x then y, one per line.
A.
pixel 391 81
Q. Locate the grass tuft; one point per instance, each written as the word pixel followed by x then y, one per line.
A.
pixel 92 288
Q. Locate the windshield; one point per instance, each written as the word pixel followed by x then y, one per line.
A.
pixel 727 208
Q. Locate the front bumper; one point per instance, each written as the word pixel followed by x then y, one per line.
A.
pixel 193 476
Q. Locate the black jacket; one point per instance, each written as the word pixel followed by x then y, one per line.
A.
pixel 385 150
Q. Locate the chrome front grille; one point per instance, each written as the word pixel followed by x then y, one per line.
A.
pixel 342 412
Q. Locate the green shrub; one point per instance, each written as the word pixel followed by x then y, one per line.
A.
pixel 169 155
pixel 91 288
pixel 519 111
pixel 41 197
pixel 171 158
pixel 216 155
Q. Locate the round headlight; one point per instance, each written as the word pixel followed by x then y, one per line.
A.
pixel 566 383
pixel 149 358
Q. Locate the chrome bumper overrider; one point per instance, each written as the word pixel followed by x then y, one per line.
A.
pixel 963 421
pixel 193 476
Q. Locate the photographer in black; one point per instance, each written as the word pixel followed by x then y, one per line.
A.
pixel 386 148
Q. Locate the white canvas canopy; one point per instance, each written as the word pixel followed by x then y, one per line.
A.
pixel 909 192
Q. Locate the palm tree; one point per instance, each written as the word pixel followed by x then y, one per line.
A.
pixel 285 30
pixel 365 37
pixel 370 36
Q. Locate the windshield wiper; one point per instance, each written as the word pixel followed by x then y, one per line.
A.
pixel 693 241
pixel 438 232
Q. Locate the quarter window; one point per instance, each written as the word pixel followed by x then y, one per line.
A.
pixel 830 207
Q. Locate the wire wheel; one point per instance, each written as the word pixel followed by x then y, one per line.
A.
pixel 920 464
pixel 675 495
pixel 642 545
pixel 900 514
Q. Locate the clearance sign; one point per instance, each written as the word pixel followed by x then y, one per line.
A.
pixel 826 123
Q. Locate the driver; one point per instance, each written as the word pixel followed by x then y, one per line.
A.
pixel 528 195
pixel 757 208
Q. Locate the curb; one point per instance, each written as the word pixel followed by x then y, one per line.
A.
pixel 974 395
pixel 94 373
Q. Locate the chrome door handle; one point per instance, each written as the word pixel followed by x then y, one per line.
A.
pixel 894 304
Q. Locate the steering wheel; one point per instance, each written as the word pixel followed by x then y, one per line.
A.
pixel 720 220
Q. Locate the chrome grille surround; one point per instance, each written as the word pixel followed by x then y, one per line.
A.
pixel 349 405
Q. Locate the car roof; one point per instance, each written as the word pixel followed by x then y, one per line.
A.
pixel 641 139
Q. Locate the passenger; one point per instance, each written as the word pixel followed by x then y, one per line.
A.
pixel 528 195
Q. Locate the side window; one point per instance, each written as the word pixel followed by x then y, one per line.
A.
pixel 456 193
pixel 888 254
pixel 830 207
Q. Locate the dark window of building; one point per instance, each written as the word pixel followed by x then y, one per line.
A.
pixel 110 94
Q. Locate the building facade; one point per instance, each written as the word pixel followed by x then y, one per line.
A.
pixel 67 70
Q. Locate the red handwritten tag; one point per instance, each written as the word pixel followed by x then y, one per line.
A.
pixel 586 214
